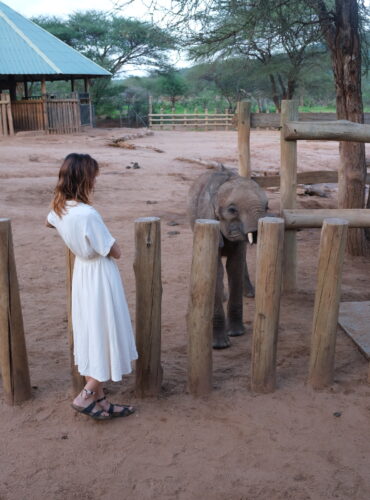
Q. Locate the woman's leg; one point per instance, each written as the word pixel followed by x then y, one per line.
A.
pixel 89 394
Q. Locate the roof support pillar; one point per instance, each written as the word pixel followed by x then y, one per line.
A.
pixel 43 87
pixel 12 89
pixel 87 84
pixel 25 89
pixel 72 85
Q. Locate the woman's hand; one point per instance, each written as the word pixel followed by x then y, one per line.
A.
pixel 115 251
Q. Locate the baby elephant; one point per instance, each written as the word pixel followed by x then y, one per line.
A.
pixel 237 203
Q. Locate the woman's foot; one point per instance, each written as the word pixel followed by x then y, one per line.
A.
pixel 86 402
pixel 115 410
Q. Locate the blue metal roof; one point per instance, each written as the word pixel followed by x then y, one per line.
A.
pixel 27 49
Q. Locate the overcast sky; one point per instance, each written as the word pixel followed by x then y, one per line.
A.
pixel 30 8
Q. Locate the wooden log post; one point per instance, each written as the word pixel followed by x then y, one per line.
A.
pixel 244 131
pixel 150 106
pixel 9 114
pixel 78 381
pixel 147 267
pixel 161 119
pixel 201 305
pixel 268 290
pixel 13 354
pixel 340 130
pixel 288 188
pixel 308 218
pixel 327 298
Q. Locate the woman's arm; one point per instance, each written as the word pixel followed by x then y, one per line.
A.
pixel 47 224
pixel 115 251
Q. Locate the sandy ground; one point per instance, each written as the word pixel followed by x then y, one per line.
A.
pixel 233 445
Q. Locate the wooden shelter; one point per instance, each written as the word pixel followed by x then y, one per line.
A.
pixel 29 54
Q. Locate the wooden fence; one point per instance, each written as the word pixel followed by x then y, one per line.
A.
pixel 55 116
pixel 228 121
pixel 197 121
pixel 6 119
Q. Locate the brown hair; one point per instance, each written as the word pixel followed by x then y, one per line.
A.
pixel 76 181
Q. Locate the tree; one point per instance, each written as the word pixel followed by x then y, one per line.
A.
pixel 341 29
pixel 110 40
pixel 171 84
pixel 259 30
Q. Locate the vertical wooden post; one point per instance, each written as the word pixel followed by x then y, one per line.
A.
pixel 72 85
pixel 13 354
pixel 43 87
pixel 9 113
pixel 268 290
pixel 244 130
pixel 150 111
pixel 327 298
pixel 201 305
pixel 78 381
pixel 288 189
pixel 3 114
pixel 25 86
pixel 87 84
pixel 227 119
pixel 147 267
pixel 206 118
pixel 173 118
pixel 161 119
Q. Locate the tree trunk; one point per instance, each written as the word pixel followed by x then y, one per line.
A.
pixel 347 70
pixel 275 95
pixel 343 39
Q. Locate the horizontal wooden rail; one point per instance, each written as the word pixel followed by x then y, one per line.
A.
pixel 303 219
pixel 318 177
pixel 192 114
pixel 341 130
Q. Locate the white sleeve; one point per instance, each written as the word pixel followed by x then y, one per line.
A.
pixel 98 235
pixel 51 218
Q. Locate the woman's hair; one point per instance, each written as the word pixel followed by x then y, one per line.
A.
pixel 76 181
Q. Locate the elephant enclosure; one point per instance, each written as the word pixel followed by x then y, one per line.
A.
pixel 293 444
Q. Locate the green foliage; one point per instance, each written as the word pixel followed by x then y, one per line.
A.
pixel 111 41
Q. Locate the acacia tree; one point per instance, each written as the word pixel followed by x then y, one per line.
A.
pixel 253 29
pixel 110 40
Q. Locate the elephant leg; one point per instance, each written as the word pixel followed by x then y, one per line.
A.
pixel 234 266
pixel 220 337
pixel 248 288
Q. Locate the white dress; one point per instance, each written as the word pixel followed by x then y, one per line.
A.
pixel 104 344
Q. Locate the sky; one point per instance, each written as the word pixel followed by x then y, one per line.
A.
pixel 31 8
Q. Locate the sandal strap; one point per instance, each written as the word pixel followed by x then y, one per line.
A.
pixel 111 406
pixel 88 409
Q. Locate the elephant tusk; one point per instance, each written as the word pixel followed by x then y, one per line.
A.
pixel 250 238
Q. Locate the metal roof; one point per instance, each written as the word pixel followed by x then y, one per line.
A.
pixel 27 49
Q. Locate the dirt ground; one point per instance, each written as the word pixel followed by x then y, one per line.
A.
pixel 233 445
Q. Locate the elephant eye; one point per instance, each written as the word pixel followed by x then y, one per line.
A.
pixel 232 210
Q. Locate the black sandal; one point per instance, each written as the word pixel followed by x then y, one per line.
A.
pixel 125 412
pixel 88 410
